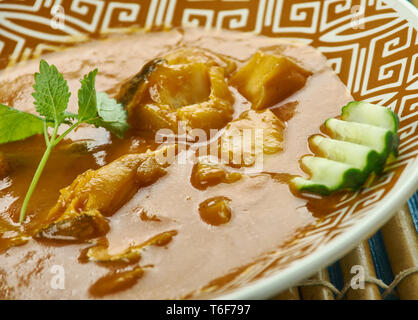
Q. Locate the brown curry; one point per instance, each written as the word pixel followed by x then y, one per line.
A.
pixel 124 225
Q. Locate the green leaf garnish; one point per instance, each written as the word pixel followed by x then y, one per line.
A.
pixel 17 125
pixel 87 103
pixel 112 115
pixel 51 101
pixel 51 92
pixel 99 109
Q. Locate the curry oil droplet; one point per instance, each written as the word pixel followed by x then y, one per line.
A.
pixel 116 281
pixel 161 239
pixel 207 174
pixel 215 211
pixel 164 239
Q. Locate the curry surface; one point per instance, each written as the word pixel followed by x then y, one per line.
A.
pixel 263 215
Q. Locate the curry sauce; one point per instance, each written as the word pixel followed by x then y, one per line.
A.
pixel 163 231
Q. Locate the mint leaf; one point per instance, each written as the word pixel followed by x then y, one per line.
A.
pixel 17 125
pixel 51 93
pixel 87 103
pixel 99 109
pixel 112 115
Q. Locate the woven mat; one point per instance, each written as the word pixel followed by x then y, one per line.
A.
pixel 387 262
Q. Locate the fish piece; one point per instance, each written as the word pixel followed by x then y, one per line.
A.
pixel 253 132
pixel 186 85
pixel 196 55
pixel 216 111
pixel 130 255
pixel 207 173
pixel 76 228
pixel 116 281
pixel 131 91
pixel 80 210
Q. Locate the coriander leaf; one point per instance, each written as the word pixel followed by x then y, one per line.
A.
pixel 51 93
pixel 17 125
pixel 87 103
pixel 112 115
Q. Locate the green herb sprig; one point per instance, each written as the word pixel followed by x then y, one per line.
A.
pixel 52 95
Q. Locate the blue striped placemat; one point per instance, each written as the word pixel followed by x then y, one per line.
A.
pixel 380 258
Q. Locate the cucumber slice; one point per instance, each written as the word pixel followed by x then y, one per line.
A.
pixel 368 113
pixel 328 176
pixel 360 146
pixel 383 141
pixel 356 155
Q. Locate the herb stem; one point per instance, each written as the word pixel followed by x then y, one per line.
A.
pixel 62 136
pixel 46 134
pixel 37 175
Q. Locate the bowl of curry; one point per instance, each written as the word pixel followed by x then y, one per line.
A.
pixel 209 155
